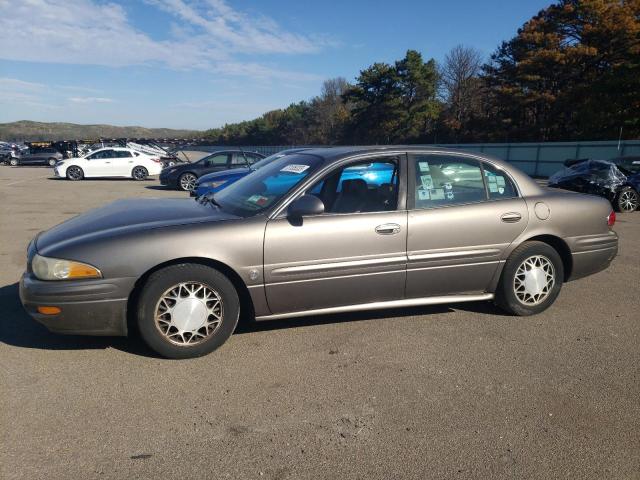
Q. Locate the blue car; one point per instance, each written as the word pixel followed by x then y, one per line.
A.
pixel 374 174
pixel 214 182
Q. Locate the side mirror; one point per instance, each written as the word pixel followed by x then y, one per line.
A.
pixel 305 205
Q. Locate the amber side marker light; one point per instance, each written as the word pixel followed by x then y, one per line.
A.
pixel 49 310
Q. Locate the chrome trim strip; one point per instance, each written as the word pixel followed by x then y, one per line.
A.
pixel 595 250
pixel 409 302
pixel 338 265
pixel 334 277
pixel 454 254
pixel 413 269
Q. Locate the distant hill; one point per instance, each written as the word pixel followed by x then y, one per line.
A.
pixel 25 130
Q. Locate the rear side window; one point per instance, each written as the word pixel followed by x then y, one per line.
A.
pixel 499 185
pixel 442 180
pixel 238 159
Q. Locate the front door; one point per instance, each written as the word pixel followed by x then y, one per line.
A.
pixel 463 214
pixel 354 253
pixel 99 164
pixel 215 163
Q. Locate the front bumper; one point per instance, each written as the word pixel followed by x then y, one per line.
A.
pixel 168 180
pixel 88 307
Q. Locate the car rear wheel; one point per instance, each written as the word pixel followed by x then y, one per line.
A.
pixel 187 310
pixel 13 162
pixel 628 200
pixel 139 173
pixel 187 181
pixel 75 173
pixel 52 162
pixel 531 279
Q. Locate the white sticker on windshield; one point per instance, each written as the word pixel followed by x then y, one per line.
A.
pixel 437 193
pixel 501 182
pixel 295 168
pixel 424 166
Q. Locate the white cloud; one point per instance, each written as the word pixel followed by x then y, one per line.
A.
pixel 90 100
pixel 212 36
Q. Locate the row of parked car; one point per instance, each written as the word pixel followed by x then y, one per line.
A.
pixel 617 180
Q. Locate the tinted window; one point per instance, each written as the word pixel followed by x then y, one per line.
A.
pixel 446 180
pixel 370 186
pixel 253 158
pixel 215 160
pixel 499 185
pixel 238 159
pixel 101 154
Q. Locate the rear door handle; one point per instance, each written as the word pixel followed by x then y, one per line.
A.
pixel 388 229
pixel 511 217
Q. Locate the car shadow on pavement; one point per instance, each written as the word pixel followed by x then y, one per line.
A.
pixel 159 187
pixel 250 326
pixel 18 329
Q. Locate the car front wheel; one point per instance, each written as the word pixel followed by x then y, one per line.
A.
pixel 52 162
pixel 187 310
pixel 13 162
pixel 75 173
pixel 628 200
pixel 187 181
pixel 531 279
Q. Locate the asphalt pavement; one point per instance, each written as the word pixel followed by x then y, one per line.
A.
pixel 459 391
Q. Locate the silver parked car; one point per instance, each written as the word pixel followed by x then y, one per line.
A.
pixel 316 232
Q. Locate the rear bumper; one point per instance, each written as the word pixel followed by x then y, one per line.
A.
pixel 592 254
pixel 91 307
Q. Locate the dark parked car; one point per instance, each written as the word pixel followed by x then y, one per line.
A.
pixel 303 236
pixel 184 176
pixel 216 181
pixel 614 180
pixel 41 156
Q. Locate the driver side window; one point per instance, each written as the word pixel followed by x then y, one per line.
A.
pixel 369 186
pixel 216 160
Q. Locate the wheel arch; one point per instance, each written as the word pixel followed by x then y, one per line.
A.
pixel 246 304
pixel 560 246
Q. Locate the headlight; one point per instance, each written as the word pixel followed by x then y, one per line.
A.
pixel 56 269
pixel 217 184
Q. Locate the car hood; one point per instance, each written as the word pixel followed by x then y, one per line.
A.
pixel 124 216
pixel 235 172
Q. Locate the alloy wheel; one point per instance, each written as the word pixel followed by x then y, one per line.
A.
pixel 74 173
pixel 534 279
pixel 188 313
pixel 139 173
pixel 188 182
pixel 628 201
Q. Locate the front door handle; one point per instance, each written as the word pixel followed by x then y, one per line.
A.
pixel 511 217
pixel 388 229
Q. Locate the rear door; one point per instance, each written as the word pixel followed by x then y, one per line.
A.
pixel 463 214
pixel 121 164
pixel 354 253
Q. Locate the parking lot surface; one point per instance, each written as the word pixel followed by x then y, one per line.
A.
pixel 459 391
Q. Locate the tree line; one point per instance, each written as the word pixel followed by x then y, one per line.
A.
pixel 572 72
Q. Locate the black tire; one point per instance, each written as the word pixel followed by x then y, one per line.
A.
pixel 627 200
pixel 52 162
pixel 139 173
pixel 75 173
pixel 14 162
pixel 522 303
pixel 182 181
pixel 165 280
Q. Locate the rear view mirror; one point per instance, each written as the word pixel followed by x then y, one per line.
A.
pixel 304 206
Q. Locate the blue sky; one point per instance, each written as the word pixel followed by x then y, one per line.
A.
pixel 201 63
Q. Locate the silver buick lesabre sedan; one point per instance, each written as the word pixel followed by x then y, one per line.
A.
pixel 316 232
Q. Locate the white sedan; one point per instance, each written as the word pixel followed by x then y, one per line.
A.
pixel 109 162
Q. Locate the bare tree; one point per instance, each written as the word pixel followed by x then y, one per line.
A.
pixel 460 77
pixel 330 110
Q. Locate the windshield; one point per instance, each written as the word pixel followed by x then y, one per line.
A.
pixel 257 192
